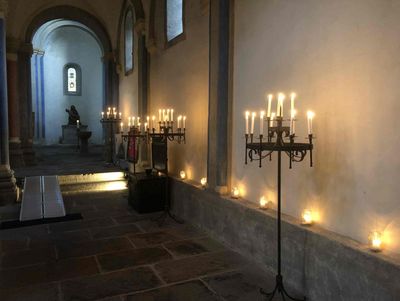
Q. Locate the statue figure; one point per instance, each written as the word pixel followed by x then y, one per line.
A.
pixel 73 115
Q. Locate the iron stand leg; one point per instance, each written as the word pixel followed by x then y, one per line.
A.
pixel 279 288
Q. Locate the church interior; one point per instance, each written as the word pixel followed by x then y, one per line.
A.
pixel 176 150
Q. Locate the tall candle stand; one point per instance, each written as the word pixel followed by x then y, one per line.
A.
pixel 280 140
pixel 134 134
pixel 110 124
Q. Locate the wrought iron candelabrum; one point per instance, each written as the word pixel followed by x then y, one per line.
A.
pixel 279 140
pixel 110 124
pixel 165 133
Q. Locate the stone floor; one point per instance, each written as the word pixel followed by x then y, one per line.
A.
pixel 116 254
pixel 65 159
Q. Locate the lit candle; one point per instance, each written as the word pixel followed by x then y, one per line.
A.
pixel 129 122
pixel 145 126
pixel 292 122
pixel 133 121
pixel 375 241
pixel 102 115
pixel 179 121
pixel 148 120
pixel 269 105
pixel 108 114
pixel 263 202
pixel 153 119
pixel 182 174
pixel 168 114
pixel 292 97
pixel 138 125
pixel 172 114
pixel 235 193
pixel 159 115
pixel 122 126
pixel 115 115
pixel 310 116
pixel 184 122
pixel 109 109
pixel 247 122
pixel 253 116
pixel 279 110
pixel 163 114
pixel 120 115
pixel 203 182
pixel 138 119
pixel 77 124
pixel 307 217
pixel 262 113
pixel 271 122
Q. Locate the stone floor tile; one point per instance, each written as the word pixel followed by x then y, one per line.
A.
pixel 49 272
pixel 115 231
pixel 134 217
pixel 188 291
pixel 135 257
pixel 110 284
pixel 53 238
pixel 27 257
pixel 44 292
pixel 181 230
pixel 152 238
pixel 68 249
pixel 200 265
pixel 81 224
pixel 193 246
pixel 104 213
pixel 242 285
pixel 23 232
pixel 11 245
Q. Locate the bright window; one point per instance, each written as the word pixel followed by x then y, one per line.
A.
pixel 72 79
pixel 174 19
pixel 128 41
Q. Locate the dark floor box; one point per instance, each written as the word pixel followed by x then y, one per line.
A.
pixel 147 193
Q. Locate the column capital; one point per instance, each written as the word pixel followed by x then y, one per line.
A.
pixel 26 48
pixel 140 26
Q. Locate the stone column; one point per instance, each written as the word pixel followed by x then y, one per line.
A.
pixel 16 155
pixel 25 102
pixel 220 98
pixel 8 189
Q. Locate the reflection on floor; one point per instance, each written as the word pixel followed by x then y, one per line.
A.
pixel 65 160
pixel 116 254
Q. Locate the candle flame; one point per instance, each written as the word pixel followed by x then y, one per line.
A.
pixel 247 114
pixel 307 217
pixel 310 114
pixel 376 241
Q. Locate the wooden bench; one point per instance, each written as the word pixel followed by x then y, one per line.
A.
pixel 42 198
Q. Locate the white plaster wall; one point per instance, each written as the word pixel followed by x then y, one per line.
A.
pixel 342 59
pixel 179 80
pixel 73 45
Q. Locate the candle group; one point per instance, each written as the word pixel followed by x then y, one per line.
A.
pixel 111 114
pixel 272 116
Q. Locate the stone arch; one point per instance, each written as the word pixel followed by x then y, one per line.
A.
pixel 25 52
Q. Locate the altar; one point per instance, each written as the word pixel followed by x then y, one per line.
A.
pixel 69 133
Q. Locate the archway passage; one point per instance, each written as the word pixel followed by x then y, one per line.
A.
pixel 67 71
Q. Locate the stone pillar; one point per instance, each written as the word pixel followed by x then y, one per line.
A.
pixel 25 102
pixel 220 98
pixel 16 155
pixel 8 189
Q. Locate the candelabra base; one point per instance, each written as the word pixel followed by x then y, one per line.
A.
pixel 279 289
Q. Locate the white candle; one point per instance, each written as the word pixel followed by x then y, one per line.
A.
pixel 159 115
pixel 262 113
pixel 77 124
pixel 153 121
pixel 279 109
pixel 310 116
pixel 179 121
pixel 109 109
pixel 253 116
pixel 247 122
pixel 269 105
pixel 271 123
pixel 145 126
pixel 184 122
pixel 115 115
pixel 120 115
pixel 172 114
pixel 138 120
pixel 163 114
pixel 292 122
pixel 133 121
pixel 148 120
pixel 292 97
pixel 102 115
pixel 138 126
pixel 122 127
pixel 168 114
pixel 108 115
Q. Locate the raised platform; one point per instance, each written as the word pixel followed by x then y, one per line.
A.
pixel 321 264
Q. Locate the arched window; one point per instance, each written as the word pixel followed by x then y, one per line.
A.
pixel 128 41
pixel 174 20
pixel 72 79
